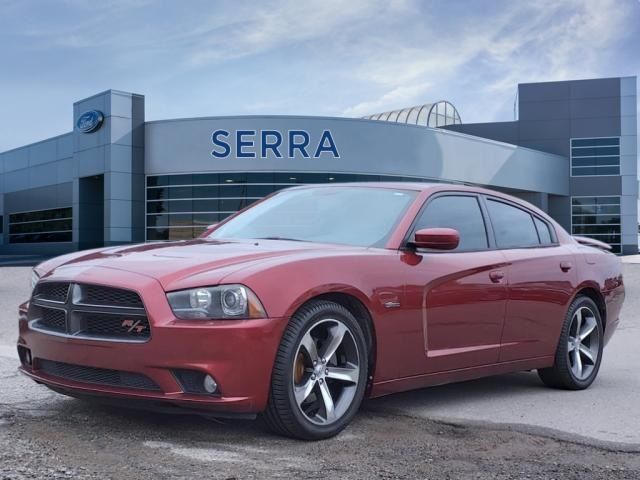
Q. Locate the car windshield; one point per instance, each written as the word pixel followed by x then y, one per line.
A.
pixel 360 216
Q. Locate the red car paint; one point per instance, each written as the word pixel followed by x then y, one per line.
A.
pixel 459 315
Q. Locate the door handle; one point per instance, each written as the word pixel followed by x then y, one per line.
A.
pixel 496 276
pixel 566 266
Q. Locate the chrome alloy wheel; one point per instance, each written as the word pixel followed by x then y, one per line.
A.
pixel 326 371
pixel 583 343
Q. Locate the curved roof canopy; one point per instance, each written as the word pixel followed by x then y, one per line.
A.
pixel 429 115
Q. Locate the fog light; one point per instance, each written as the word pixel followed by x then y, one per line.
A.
pixel 25 355
pixel 210 384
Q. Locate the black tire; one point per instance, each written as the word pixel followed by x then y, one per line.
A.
pixel 562 374
pixel 283 414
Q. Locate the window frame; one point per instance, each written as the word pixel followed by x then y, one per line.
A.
pixel 491 238
pixel 552 230
pixel 617 246
pixel 10 235
pixel 571 147
pixel 413 227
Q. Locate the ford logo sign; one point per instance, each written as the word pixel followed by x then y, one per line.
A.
pixel 90 121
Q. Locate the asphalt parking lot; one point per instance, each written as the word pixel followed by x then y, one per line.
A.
pixel 507 427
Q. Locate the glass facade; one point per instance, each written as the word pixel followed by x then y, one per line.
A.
pixel 180 207
pixel 41 226
pixel 595 156
pixel 597 217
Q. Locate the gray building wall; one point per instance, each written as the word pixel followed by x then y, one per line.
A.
pixel 365 146
pixel 36 177
pixel 552 113
pixel 48 174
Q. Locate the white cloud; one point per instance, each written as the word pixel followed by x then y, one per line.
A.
pixel 401 95
pixel 533 41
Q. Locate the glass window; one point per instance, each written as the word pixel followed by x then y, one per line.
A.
pixel 597 217
pixel 180 192
pixel 206 206
pixel 181 179
pixel 157 220
pixel 259 191
pixel 233 178
pixel 350 216
pixel 588 142
pixel 157 207
pixel 205 219
pixel 595 156
pixel 157 193
pixel 1 225
pixel 544 231
pixel 181 220
pixel 206 191
pixel 180 206
pixel 205 179
pixel 52 225
pixel 220 194
pixel 512 226
pixel 158 180
pixel 461 213
pixel 157 234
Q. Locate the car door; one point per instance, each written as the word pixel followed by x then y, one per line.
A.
pixel 541 275
pixel 460 295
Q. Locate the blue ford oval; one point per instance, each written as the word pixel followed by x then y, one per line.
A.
pixel 90 121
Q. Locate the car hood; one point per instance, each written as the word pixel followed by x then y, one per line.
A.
pixel 170 262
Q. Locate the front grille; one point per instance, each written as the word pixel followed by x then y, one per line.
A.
pixel 50 318
pixel 96 295
pixel 97 376
pixel 89 311
pixel 52 291
pixel 114 325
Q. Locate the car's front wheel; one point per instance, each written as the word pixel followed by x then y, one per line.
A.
pixel 320 373
pixel 579 350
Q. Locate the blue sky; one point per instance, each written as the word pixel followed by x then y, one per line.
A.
pixel 315 57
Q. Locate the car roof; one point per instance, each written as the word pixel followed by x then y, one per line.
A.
pixel 417 186
pixel 433 187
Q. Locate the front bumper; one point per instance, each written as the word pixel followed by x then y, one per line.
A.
pixel 238 354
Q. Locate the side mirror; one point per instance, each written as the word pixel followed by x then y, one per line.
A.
pixel 437 238
pixel 208 231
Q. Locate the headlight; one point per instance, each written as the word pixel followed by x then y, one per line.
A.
pixel 34 279
pixel 221 302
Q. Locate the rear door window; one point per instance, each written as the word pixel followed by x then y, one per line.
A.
pixel 512 226
pixel 544 232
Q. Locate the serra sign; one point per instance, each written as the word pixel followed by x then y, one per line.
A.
pixel 273 143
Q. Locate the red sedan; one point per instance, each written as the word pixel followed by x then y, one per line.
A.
pixel 303 304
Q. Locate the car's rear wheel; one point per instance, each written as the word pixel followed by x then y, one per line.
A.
pixel 579 352
pixel 320 373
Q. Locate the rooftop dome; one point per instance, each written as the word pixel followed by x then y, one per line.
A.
pixel 429 115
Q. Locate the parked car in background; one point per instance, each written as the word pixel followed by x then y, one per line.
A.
pixel 307 302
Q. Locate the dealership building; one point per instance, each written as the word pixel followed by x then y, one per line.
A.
pixel 116 178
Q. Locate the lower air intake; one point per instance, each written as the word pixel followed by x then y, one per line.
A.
pixel 97 376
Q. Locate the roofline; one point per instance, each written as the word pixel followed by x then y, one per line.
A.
pixel 37 142
pixel 578 80
pixel 110 90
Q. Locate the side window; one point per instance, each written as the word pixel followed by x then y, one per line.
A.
pixel 460 212
pixel 543 232
pixel 513 227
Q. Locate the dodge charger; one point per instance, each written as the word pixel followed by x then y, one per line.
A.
pixel 317 297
